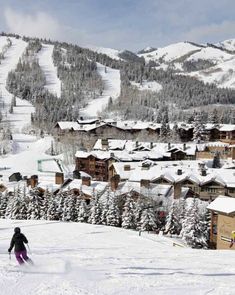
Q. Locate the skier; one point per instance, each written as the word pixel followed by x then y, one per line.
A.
pixel 232 239
pixel 18 240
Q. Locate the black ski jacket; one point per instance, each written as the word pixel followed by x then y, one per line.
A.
pixel 18 241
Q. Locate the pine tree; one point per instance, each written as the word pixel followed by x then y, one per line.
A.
pixel 82 212
pixel 216 160
pixel 198 127
pixel 214 118
pixel 138 212
pixel 52 209
pixel 95 211
pixel 128 216
pixel 148 219
pixel 191 230
pixel 113 214
pixel 105 208
pixel 173 225
pixel 3 204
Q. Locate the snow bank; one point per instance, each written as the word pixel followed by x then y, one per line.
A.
pixel 53 83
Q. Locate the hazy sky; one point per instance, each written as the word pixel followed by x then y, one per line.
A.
pixel 121 24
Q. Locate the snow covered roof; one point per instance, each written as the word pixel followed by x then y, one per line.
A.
pixel 67 125
pixel 223 204
pixel 227 127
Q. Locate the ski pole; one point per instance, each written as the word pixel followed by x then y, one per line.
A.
pixel 9 255
pixel 29 250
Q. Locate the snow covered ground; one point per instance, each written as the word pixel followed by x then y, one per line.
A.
pixel 112 87
pixel 53 83
pixel 75 258
pixel 148 85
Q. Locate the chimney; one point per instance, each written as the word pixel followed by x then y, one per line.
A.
pixel 33 181
pixel 59 178
pixel 112 155
pixel 76 174
pixel 179 172
pixel 136 144
pixel 169 145
pixel 104 144
pixel 184 146
pixel 81 118
pixel 203 172
pixel 86 180
pixel 145 183
pixel 177 190
pixel 114 181
pixel 151 145
pixel 127 167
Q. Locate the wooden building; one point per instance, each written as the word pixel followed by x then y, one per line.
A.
pixel 223 222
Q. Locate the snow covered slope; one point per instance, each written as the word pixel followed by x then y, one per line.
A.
pixel 3 43
pixel 112 85
pixel 170 52
pixel 227 44
pixel 53 83
pixel 147 85
pixel 212 54
pixel 22 112
pixel 83 259
pixel 223 74
pixel 113 53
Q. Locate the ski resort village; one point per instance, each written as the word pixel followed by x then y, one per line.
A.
pixel 117 167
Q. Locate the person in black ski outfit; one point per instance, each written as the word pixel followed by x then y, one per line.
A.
pixel 18 240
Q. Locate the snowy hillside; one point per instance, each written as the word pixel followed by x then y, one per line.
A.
pixel 22 112
pixel 78 259
pixel 223 75
pixel 213 54
pixel 227 44
pixel 112 88
pixel 170 52
pixel 147 85
pixel 113 53
pixel 53 83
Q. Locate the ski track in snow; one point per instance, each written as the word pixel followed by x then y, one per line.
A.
pixel 112 85
pixel 75 258
pixel 53 83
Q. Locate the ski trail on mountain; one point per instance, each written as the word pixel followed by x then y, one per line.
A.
pixel 112 88
pixel 21 115
pixel 45 60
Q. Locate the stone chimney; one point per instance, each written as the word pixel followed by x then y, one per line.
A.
pixel 59 178
pixel 127 167
pixel 114 181
pixel 179 172
pixel 145 183
pixel 177 190
pixel 33 181
pixel 86 180
pixel 169 145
